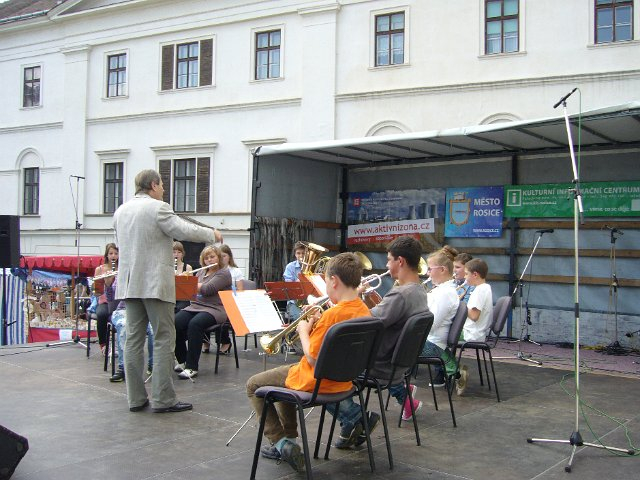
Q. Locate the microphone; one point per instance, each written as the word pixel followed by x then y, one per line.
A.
pixel 547 230
pixel 565 97
pixel 76 176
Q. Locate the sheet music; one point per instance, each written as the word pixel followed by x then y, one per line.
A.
pixel 257 311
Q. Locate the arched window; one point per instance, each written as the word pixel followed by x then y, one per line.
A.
pixel 29 163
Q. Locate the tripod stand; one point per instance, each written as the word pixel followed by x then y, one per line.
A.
pixel 575 439
pixel 614 348
pixel 75 299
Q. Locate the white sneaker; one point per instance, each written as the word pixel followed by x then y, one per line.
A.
pixel 461 383
pixel 179 367
pixel 187 373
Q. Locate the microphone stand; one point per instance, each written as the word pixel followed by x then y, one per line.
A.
pixel 614 348
pixel 75 299
pixel 525 321
pixel 575 439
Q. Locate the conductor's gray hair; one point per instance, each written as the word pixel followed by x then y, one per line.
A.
pixel 145 178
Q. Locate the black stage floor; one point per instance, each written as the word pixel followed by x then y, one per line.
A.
pixel 79 427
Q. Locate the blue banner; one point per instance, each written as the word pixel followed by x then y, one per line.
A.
pixel 474 212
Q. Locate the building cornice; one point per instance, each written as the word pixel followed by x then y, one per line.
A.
pixel 31 128
pixel 197 111
pixel 478 86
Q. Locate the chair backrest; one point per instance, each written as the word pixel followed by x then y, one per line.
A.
pixel 457 324
pixel 348 349
pixel 248 284
pixel 500 314
pixel 411 341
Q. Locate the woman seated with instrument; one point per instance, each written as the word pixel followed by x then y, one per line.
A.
pixel 107 293
pixel 181 268
pixel 202 313
pixel 236 279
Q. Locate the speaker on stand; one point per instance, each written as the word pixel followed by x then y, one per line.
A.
pixel 9 258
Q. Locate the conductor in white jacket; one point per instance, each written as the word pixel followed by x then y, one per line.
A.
pixel 145 228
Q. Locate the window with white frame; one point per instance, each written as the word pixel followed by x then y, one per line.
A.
pixel 187 64
pixel 267 58
pixel 390 39
pixel 613 21
pixel 117 75
pixel 502 26
pixel 31 86
pixel 113 186
pixel 184 185
pixel 31 189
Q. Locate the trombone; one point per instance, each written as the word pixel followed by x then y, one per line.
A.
pixel 271 343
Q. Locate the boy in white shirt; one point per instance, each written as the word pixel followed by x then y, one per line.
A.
pixel 480 311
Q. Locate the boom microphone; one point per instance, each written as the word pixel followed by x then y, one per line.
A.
pixel 565 97
pixel 548 230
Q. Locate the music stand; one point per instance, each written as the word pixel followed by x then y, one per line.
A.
pixel 243 308
pixel 280 291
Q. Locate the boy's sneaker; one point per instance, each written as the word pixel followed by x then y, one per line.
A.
pixel 179 367
pixel 117 377
pixel 374 420
pixel 349 436
pixel 149 369
pixel 438 381
pixel 461 383
pixel 187 373
pixel 406 409
pixel 270 451
pixel 292 454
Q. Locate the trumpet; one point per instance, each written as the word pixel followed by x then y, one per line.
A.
pixel 373 278
pixel 198 269
pixel 271 343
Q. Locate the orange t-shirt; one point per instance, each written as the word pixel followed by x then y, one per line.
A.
pixel 300 376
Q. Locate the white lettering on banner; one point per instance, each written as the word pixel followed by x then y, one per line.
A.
pixel 400 227
pixel 487 212
pixel 483 202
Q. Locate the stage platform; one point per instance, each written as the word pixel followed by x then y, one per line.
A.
pixel 79 427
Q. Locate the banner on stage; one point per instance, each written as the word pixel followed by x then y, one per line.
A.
pixel 599 199
pixel 379 217
pixel 474 212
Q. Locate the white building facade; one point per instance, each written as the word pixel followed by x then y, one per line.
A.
pixel 102 89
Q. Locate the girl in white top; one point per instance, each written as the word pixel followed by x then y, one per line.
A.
pixel 443 298
pixel 229 262
pixel 443 302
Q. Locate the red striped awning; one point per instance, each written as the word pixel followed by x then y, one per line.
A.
pixel 63 263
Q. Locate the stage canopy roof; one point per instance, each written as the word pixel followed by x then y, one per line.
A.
pixel 611 127
pixel 63 263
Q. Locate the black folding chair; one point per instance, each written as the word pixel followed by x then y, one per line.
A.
pixel 501 312
pixel 403 361
pixel 348 349
pixel 452 344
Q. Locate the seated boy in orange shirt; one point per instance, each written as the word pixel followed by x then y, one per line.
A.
pixel 342 275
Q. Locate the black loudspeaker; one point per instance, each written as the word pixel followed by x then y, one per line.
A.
pixel 9 241
pixel 12 448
